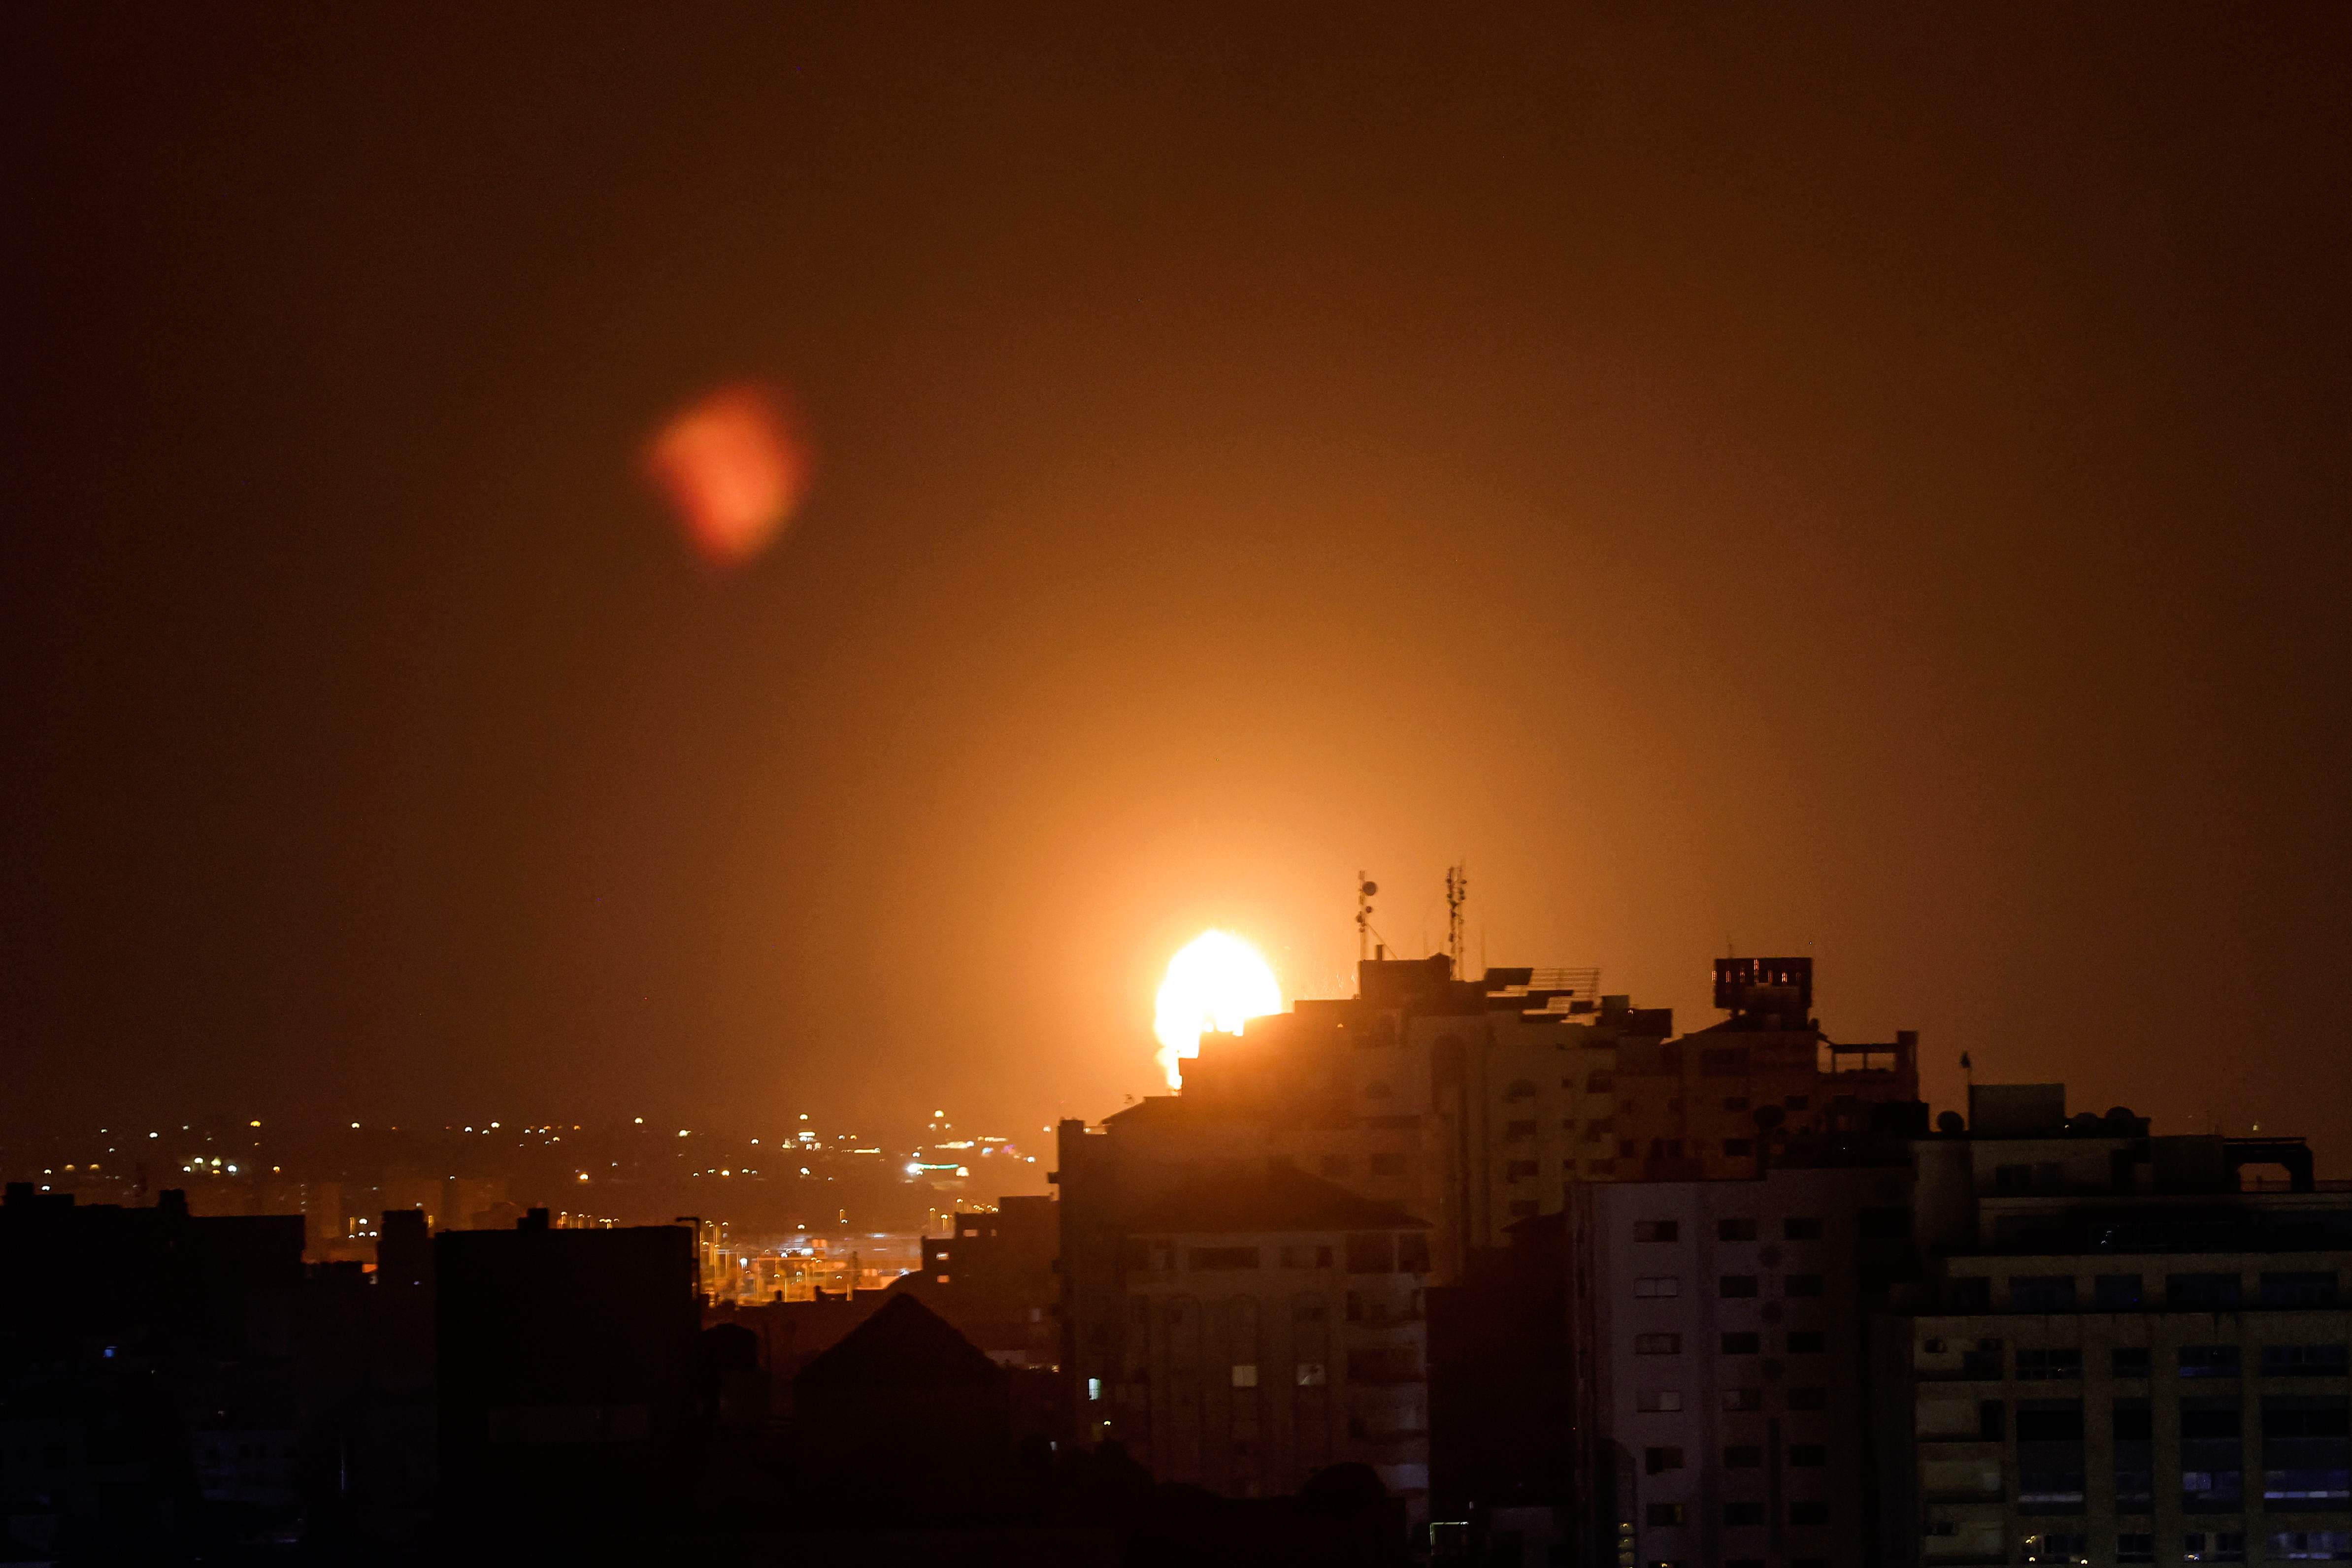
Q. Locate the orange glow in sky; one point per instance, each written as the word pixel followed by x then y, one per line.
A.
pixel 1216 982
pixel 734 468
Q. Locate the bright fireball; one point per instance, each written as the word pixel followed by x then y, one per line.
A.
pixel 1215 983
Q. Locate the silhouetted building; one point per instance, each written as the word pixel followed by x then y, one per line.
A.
pixel 150 1394
pixel 2126 1355
pixel 1272 1326
pixel 567 1365
pixel 1688 1109
pixel 1501 1441
pixel 992 1277
pixel 906 1414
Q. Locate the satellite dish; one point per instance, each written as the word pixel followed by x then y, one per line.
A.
pixel 1370 888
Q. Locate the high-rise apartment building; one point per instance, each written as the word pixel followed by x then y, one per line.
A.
pixel 2126 1352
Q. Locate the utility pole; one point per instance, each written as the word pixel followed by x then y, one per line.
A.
pixel 1365 888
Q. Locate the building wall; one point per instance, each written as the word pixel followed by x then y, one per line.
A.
pixel 2029 1420
pixel 1722 1386
pixel 1247 1378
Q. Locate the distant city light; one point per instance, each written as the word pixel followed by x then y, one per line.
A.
pixel 253 1124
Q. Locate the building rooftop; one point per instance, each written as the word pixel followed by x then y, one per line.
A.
pixel 904 1344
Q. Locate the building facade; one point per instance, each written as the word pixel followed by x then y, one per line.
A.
pixel 1722 1409
pixel 1274 1325
pixel 2129 1354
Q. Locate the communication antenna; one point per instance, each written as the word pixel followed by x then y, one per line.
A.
pixel 1457 892
pixel 1365 888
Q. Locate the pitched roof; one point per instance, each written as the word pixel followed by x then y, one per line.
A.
pixel 905 1344
pixel 1274 1196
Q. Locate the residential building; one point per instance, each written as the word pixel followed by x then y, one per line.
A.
pixel 1722 1414
pixel 2126 1354
pixel 1274 1325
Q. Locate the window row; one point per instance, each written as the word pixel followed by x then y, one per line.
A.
pixel 2064 1363
pixel 2195 1546
pixel 2277 1290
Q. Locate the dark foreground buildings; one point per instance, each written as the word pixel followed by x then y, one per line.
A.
pixel 1365 1282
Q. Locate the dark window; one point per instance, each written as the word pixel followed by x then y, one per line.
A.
pixel 1808 1513
pixel 1743 1399
pixel 2048 1363
pixel 1742 1343
pixel 1384 1365
pixel 1797 1102
pixel 1657 1229
pixel 1520 1089
pixel 2302 1290
pixel 1657 1345
pixel 1735 1230
pixel 1371 1253
pixel 2129 1361
pixel 1808 1399
pixel 1735 1286
pixel 1388 1165
pixel 2203 1293
pixel 1655 1460
pixel 2117 1292
pixel 1221 1257
pixel 1883 1224
pixel 1334 1164
pixel 1802 1285
pixel 1665 1513
pixel 1520 1170
pixel 1520 1130
pixel 1412 1253
pixel 1599 1084
pixel 2134 1548
pixel 2209 1361
pixel 1738 1513
pixel 2050 1421
pixel 1743 1457
pixel 1970 1293
pixel 1991 1420
pixel 1808 1342
pixel 1525 1208
pixel 2012 1178
pixel 2134 1422
pixel 1735 1103
pixel 2041 1293
pixel 1801 1229
pixel 2303 1361
pixel 1738 1148
pixel 1807 1456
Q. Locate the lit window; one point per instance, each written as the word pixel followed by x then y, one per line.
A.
pixel 1245 1377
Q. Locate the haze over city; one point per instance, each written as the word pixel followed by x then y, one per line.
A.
pixel 880 582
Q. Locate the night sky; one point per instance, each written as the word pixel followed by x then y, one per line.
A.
pixel 1859 485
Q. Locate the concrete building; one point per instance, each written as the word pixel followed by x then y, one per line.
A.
pixel 2125 1353
pixel 1274 1325
pixel 1722 1414
pixel 992 1277
pixel 1697 1107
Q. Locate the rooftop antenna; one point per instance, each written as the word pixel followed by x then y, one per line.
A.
pixel 1457 891
pixel 1365 888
